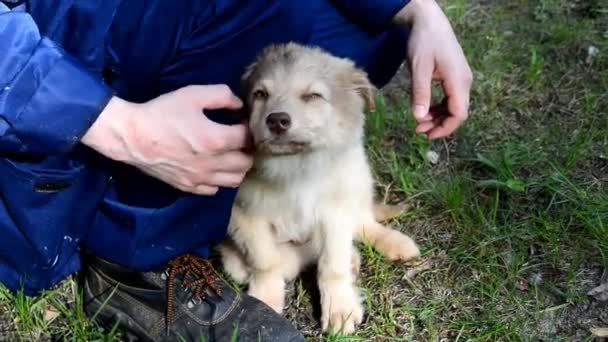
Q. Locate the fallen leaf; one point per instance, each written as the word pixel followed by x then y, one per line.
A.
pixel 599 332
pixel 385 212
pixel 413 272
pixel 600 293
pixel 50 314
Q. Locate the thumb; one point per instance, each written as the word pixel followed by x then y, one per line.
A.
pixel 422 77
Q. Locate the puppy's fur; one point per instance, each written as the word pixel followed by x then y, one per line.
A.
pixel 309 195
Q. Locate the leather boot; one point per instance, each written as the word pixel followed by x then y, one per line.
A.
pixel 188 301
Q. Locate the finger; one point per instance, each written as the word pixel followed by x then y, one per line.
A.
pixel 185 185
pixel 226 179
pixel 447 127
pixel 234 161
pixel 203 189
pixel 457 90
pixel 227 137
pixel 424 127
pixel 426 118
pixel 213 96
pixel 180 182
pixel 422 77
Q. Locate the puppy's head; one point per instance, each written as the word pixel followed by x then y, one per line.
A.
pixel 304 99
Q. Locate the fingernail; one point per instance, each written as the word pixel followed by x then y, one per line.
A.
pixel 419 112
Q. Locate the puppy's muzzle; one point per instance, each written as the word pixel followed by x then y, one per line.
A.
pixel 278 123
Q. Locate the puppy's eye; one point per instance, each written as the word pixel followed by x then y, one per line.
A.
pixel 260 94
pixel 311 96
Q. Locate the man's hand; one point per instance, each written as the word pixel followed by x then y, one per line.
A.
pixel 435 54
pixel 171 139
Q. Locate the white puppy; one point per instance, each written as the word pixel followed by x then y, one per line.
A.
pixel 309 195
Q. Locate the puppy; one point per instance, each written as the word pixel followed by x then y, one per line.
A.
pixel 309 195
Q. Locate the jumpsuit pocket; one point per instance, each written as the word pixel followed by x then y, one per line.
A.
pixel 47 206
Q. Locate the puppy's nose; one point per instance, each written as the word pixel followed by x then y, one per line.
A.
pixel 278 122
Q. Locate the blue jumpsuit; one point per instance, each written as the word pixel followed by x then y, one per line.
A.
pixel 60 63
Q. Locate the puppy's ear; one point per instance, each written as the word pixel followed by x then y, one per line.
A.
pixel 246 77
pixel 360 83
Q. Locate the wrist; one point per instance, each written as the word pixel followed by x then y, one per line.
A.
pixel 109 134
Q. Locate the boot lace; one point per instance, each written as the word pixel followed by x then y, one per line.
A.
pixel 197 275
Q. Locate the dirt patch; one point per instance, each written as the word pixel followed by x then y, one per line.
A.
pixel 575 321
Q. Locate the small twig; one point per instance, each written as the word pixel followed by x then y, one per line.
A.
pixel 447 151
pixel 460 334
pixel 387 188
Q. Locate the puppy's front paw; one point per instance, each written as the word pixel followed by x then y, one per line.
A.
pixel 275 300
pixel 341 311
pixel 270 289
pixel 398 246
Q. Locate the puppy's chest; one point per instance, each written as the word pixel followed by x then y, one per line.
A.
pixel 294 213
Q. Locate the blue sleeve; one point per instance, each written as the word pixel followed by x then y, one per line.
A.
pixel 48 100
pixel 374 15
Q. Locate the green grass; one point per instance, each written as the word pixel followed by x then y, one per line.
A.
pixel 512 220
pixel 513 217
pixel 54 315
